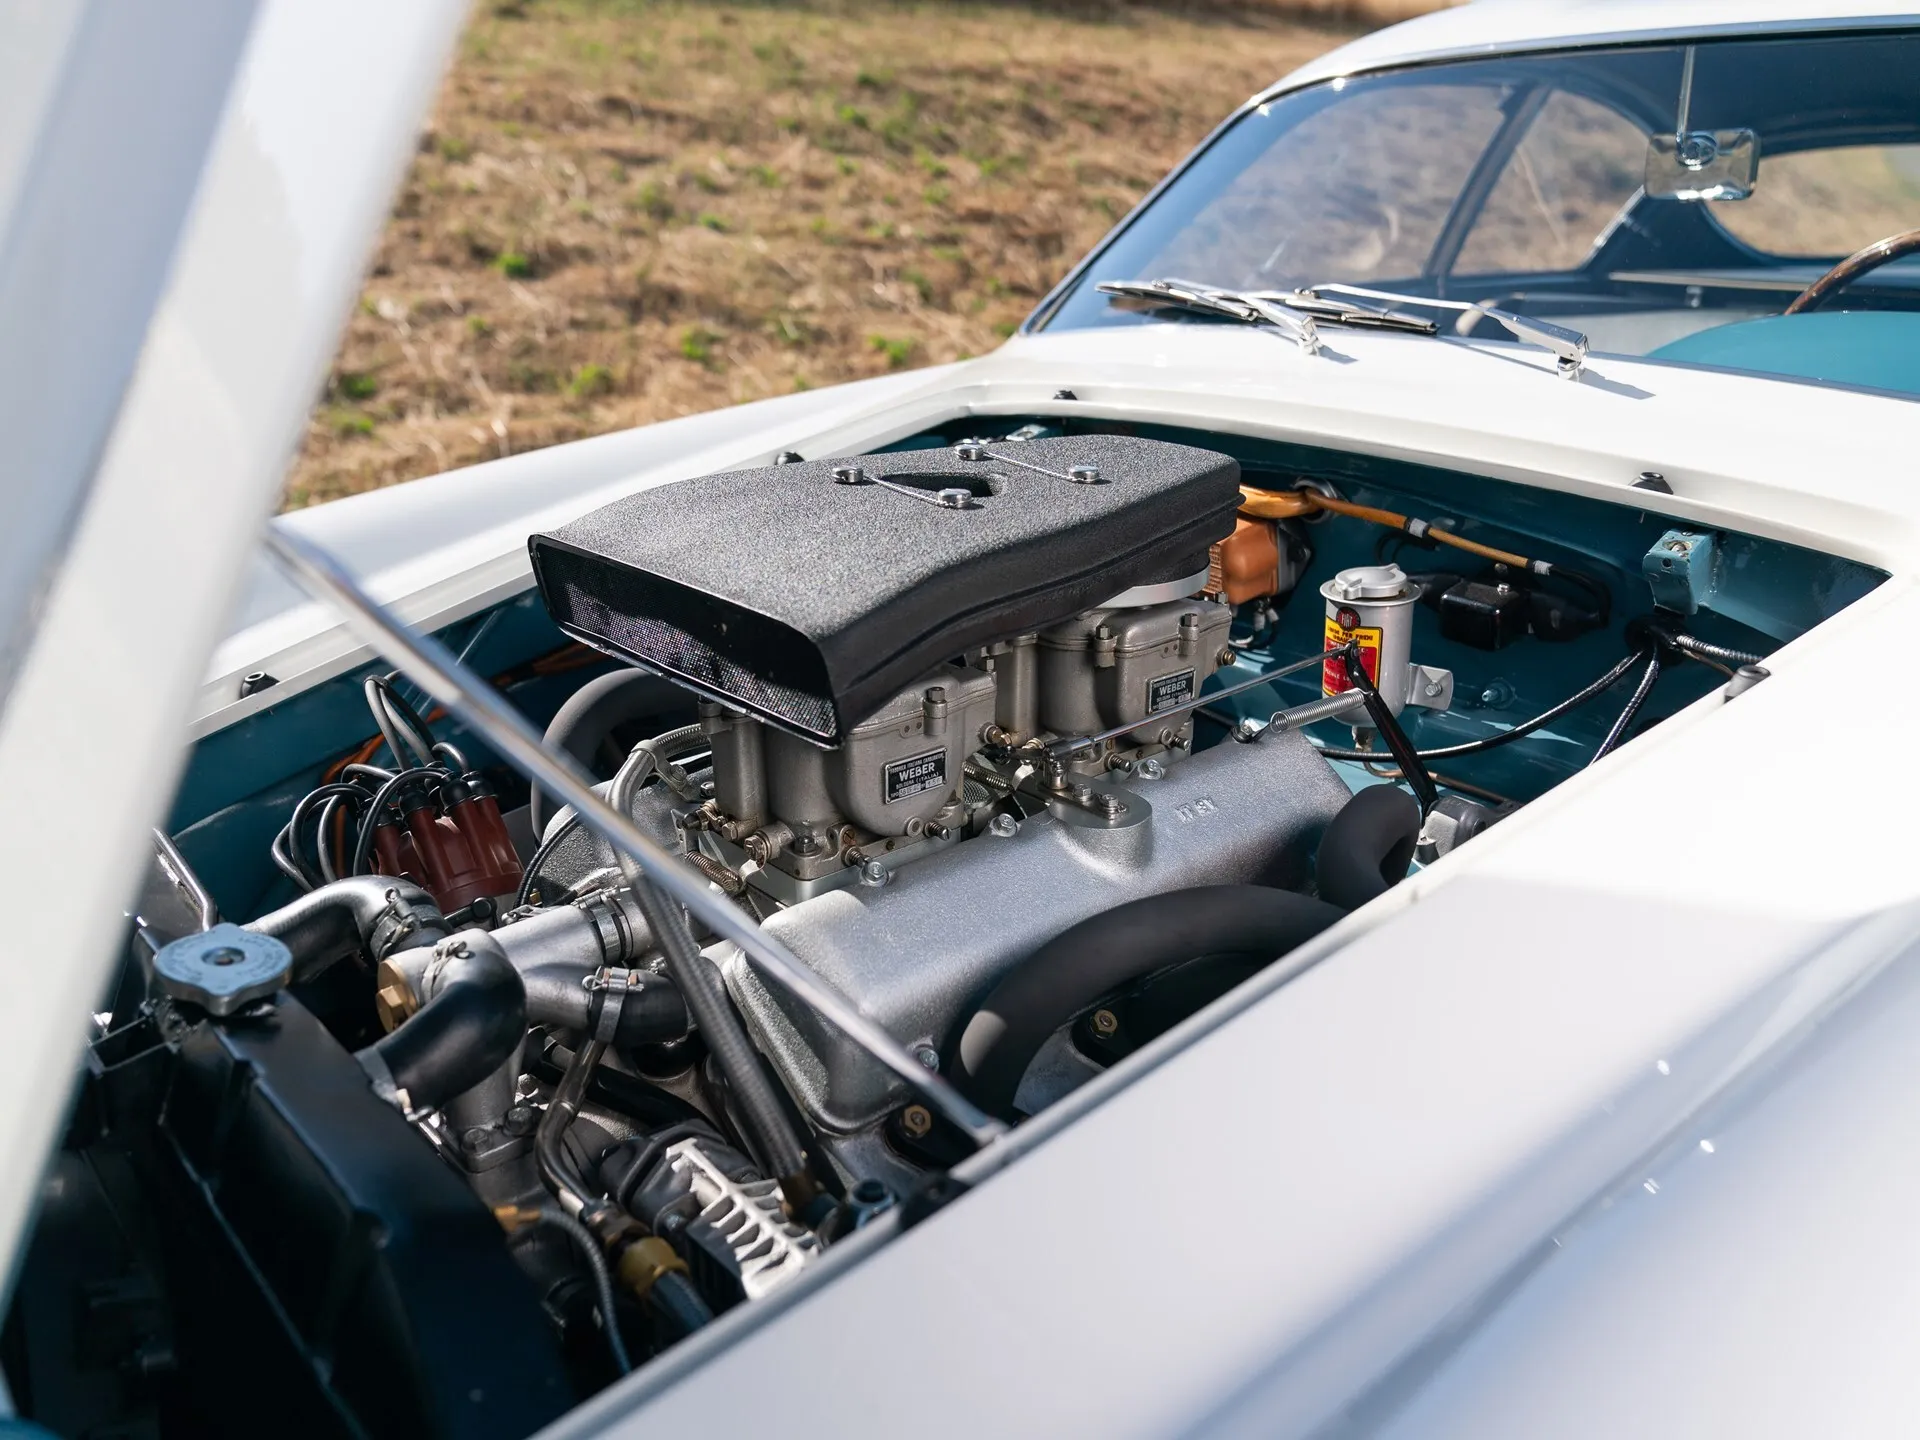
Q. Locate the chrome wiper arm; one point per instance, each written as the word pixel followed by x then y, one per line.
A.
pixel 1198 299
pixel 1569 347
pixel 1346 312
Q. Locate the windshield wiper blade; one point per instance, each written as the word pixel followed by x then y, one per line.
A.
pixel 1298 313
pixel 1569 347
pixel 1295 313
pixel 1346 312
pixel 1198 299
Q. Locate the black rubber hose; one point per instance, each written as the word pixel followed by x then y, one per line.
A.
pixel 776 1147
pixel 1525 727
pixel 530 876
pixel 590 1251
pixel 374 915
pixel 470 1025
pixel 679 1304
pixel 1099 955
pixel 590 716
pixel 1648 678
pixel 1367 846
pixel 651 1013
pixel 770 1134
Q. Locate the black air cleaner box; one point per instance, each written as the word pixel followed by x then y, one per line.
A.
pixel 810 594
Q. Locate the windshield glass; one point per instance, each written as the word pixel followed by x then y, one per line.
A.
pixel 1640 195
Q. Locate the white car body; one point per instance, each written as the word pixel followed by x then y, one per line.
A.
pixel 1601 1124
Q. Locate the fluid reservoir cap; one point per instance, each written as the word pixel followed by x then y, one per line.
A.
pixel 224 968
pixel 1368 582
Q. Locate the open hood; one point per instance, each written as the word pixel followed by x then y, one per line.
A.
pixel 187 199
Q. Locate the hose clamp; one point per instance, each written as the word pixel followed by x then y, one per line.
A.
pixel 608 990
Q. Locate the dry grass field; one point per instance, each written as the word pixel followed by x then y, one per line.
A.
pixel 625 210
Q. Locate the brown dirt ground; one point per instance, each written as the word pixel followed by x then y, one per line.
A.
pixel 626 210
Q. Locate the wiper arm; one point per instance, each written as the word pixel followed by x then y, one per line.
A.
pixel 1198 299
pixel 1295 313
pixel 1569 347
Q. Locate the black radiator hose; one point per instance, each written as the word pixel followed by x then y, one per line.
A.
pixel 651 1009
pixel 1367 846
pixel 374 915
pixel 1099 955
pixel 591 714
pixel 472 1018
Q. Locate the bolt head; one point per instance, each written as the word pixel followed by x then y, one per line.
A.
pixel 873 873
pixel 1105 1023
pixel 1433 687
pixel 521 1120
pixel 393 1003
pixel 1150 769
pixel 917 1121
pixel 927 1056
pixel 1003 825
pixel 1110 804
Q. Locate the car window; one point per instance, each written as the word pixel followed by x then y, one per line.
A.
pixel 1358 191
pixel 1827 203
pixel 1566 180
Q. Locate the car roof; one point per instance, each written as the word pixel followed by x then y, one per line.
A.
pixel 1499 27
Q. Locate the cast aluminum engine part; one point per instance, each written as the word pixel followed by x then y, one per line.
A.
pixel 1372 606
pixel 918 953
pixel 1110 666
pixel 895 771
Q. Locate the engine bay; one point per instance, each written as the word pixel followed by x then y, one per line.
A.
pixel 418 1108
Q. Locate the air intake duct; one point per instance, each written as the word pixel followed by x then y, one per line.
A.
pixel 810 594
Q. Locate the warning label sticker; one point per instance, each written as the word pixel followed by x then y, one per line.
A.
pixel 916 775
pixel 1169 691
pixel 1333 670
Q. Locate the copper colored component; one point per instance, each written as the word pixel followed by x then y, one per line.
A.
pixel 645 1261
pixel 393 999
pixel 464 854
pixel 393 852
pixel 1246 565
pixel 1277 504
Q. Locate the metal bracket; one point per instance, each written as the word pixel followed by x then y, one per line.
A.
pixel 1682 570
pixel 1429 687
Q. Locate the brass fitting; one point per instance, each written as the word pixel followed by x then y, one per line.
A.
pixel 645 1261
pixel 514 1218
pixel 393 998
